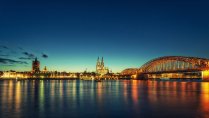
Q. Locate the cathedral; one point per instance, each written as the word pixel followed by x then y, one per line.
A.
pixel 100 68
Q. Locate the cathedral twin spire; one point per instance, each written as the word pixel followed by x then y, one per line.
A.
pixel 100 63
pixel 100 68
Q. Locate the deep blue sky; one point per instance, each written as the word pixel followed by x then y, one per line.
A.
pixel 126 33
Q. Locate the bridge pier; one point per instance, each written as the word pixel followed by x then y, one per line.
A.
pixel 205 75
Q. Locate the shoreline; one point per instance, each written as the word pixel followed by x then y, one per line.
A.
pixel 40 79
pixel 173 80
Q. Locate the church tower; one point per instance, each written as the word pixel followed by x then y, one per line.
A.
pixel 98 65
pixel 102 63
pixel 35 66
pixel 45 69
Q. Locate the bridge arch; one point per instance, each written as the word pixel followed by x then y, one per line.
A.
pixel 175 63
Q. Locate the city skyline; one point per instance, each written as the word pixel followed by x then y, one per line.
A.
pixel 70 35
pixel 104 58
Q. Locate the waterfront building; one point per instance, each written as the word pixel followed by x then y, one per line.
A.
pixel 100 67
pixel 45 70
pixel 36 66
pixel 14 75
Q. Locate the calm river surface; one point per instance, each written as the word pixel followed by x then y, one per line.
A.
pixel 107 99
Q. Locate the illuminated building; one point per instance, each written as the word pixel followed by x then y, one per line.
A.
pixel 205 75
pixel 45 69
pixel 14 75
pixel 100 68
pixel 130 71
pixel 36 66
pixel 9 74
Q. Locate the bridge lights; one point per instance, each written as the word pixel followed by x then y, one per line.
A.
pixel 205 75
pixel 134 76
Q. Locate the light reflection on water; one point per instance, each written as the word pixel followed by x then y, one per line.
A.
pixel 123 98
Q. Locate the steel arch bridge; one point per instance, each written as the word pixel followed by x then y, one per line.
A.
pixel 171 67
pixel 175 64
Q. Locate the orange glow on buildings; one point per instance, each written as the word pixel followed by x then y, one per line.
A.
pixel 205 75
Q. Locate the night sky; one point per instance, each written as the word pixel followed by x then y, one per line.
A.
pixel 70 35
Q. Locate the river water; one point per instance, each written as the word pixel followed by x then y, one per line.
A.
pixel 107 99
